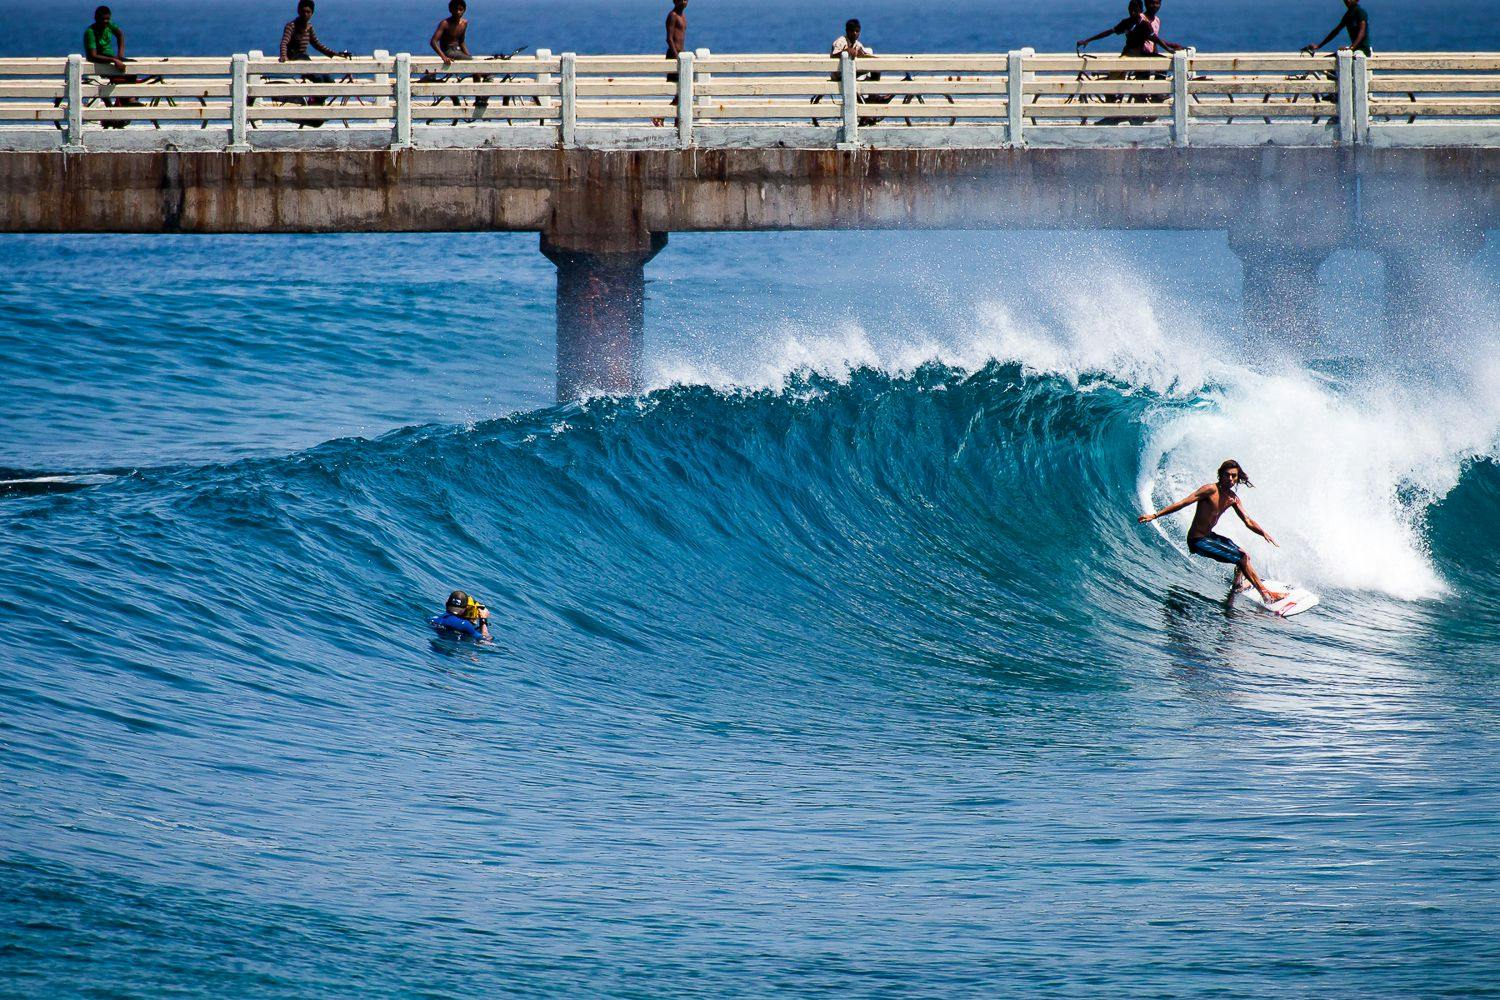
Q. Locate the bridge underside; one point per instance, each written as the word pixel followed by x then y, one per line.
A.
pixel 604 214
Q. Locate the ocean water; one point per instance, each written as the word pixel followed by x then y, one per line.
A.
pixel 832 664
pixel 182 27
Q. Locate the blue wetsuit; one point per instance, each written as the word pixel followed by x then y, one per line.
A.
pixel 453 623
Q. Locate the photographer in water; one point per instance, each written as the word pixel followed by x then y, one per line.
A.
pixel 463 615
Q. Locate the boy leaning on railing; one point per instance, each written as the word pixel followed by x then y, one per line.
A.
pixel 104 45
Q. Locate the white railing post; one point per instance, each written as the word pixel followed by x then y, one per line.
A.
pixel 239 103
pixel 74 88
pixel 704 97
pixel 255 79
pixel 1015 97
pixel 1180 100
pixel 1346 96
pixel 402 131
pixel 383 80
pixel 685 99
pixel 1361 68
pixel 568 128
pixel 544 80
pixel 849 95
pixel 1029 76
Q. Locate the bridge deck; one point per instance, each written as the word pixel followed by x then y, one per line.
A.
pixel 955 101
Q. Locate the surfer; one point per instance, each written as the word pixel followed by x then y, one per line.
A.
pixel 1214 500
pixel 463 615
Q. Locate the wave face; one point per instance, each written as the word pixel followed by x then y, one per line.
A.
pixel 961 510
pixel 862 675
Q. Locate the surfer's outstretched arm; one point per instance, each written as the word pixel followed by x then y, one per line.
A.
pixel 1250 523
pixel 1186 501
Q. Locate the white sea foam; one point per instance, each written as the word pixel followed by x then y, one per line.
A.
pixel 1077 323
pixel 1347 467
pixel 1344 473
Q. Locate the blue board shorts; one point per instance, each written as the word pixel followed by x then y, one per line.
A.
pixel 1217 548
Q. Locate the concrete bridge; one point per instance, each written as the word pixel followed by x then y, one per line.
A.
pixel 1294 157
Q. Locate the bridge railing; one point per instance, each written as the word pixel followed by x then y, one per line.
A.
pixel 1449 94
pixel 715 100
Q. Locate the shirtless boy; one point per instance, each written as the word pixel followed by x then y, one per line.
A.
pixel 677 29
pixel 448 40
pixel 676 43
pixel 1214 501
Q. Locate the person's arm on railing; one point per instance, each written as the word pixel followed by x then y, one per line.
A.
pixel 437 43
pixel 1164 44
pixel 317 43
pixel 1310 49
pixel 1118 29
pixel 286 38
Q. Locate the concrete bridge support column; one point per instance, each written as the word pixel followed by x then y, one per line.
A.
pixel 1281 286
pixel 1428 285
pixel 601 314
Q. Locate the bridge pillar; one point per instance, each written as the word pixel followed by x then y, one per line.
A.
pixel 601 312
pixel 1427 283
pixel 1281 284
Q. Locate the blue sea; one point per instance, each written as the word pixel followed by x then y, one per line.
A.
pixel 832 664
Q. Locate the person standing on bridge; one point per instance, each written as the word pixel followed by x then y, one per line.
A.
pixel 298 34
pixel 1356 22
pixel 1139 34
pixel 1141 38
pixel 677 29
pixel 449 41
pixel 1153 18
pixel 676 44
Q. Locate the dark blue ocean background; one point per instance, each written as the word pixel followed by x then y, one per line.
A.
pixel 833 665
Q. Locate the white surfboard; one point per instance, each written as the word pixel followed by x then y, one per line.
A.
pixel 1296 601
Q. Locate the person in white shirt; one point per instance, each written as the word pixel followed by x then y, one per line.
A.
pixel 849 42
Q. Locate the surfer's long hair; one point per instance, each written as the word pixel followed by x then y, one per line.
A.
pixel 1230 463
